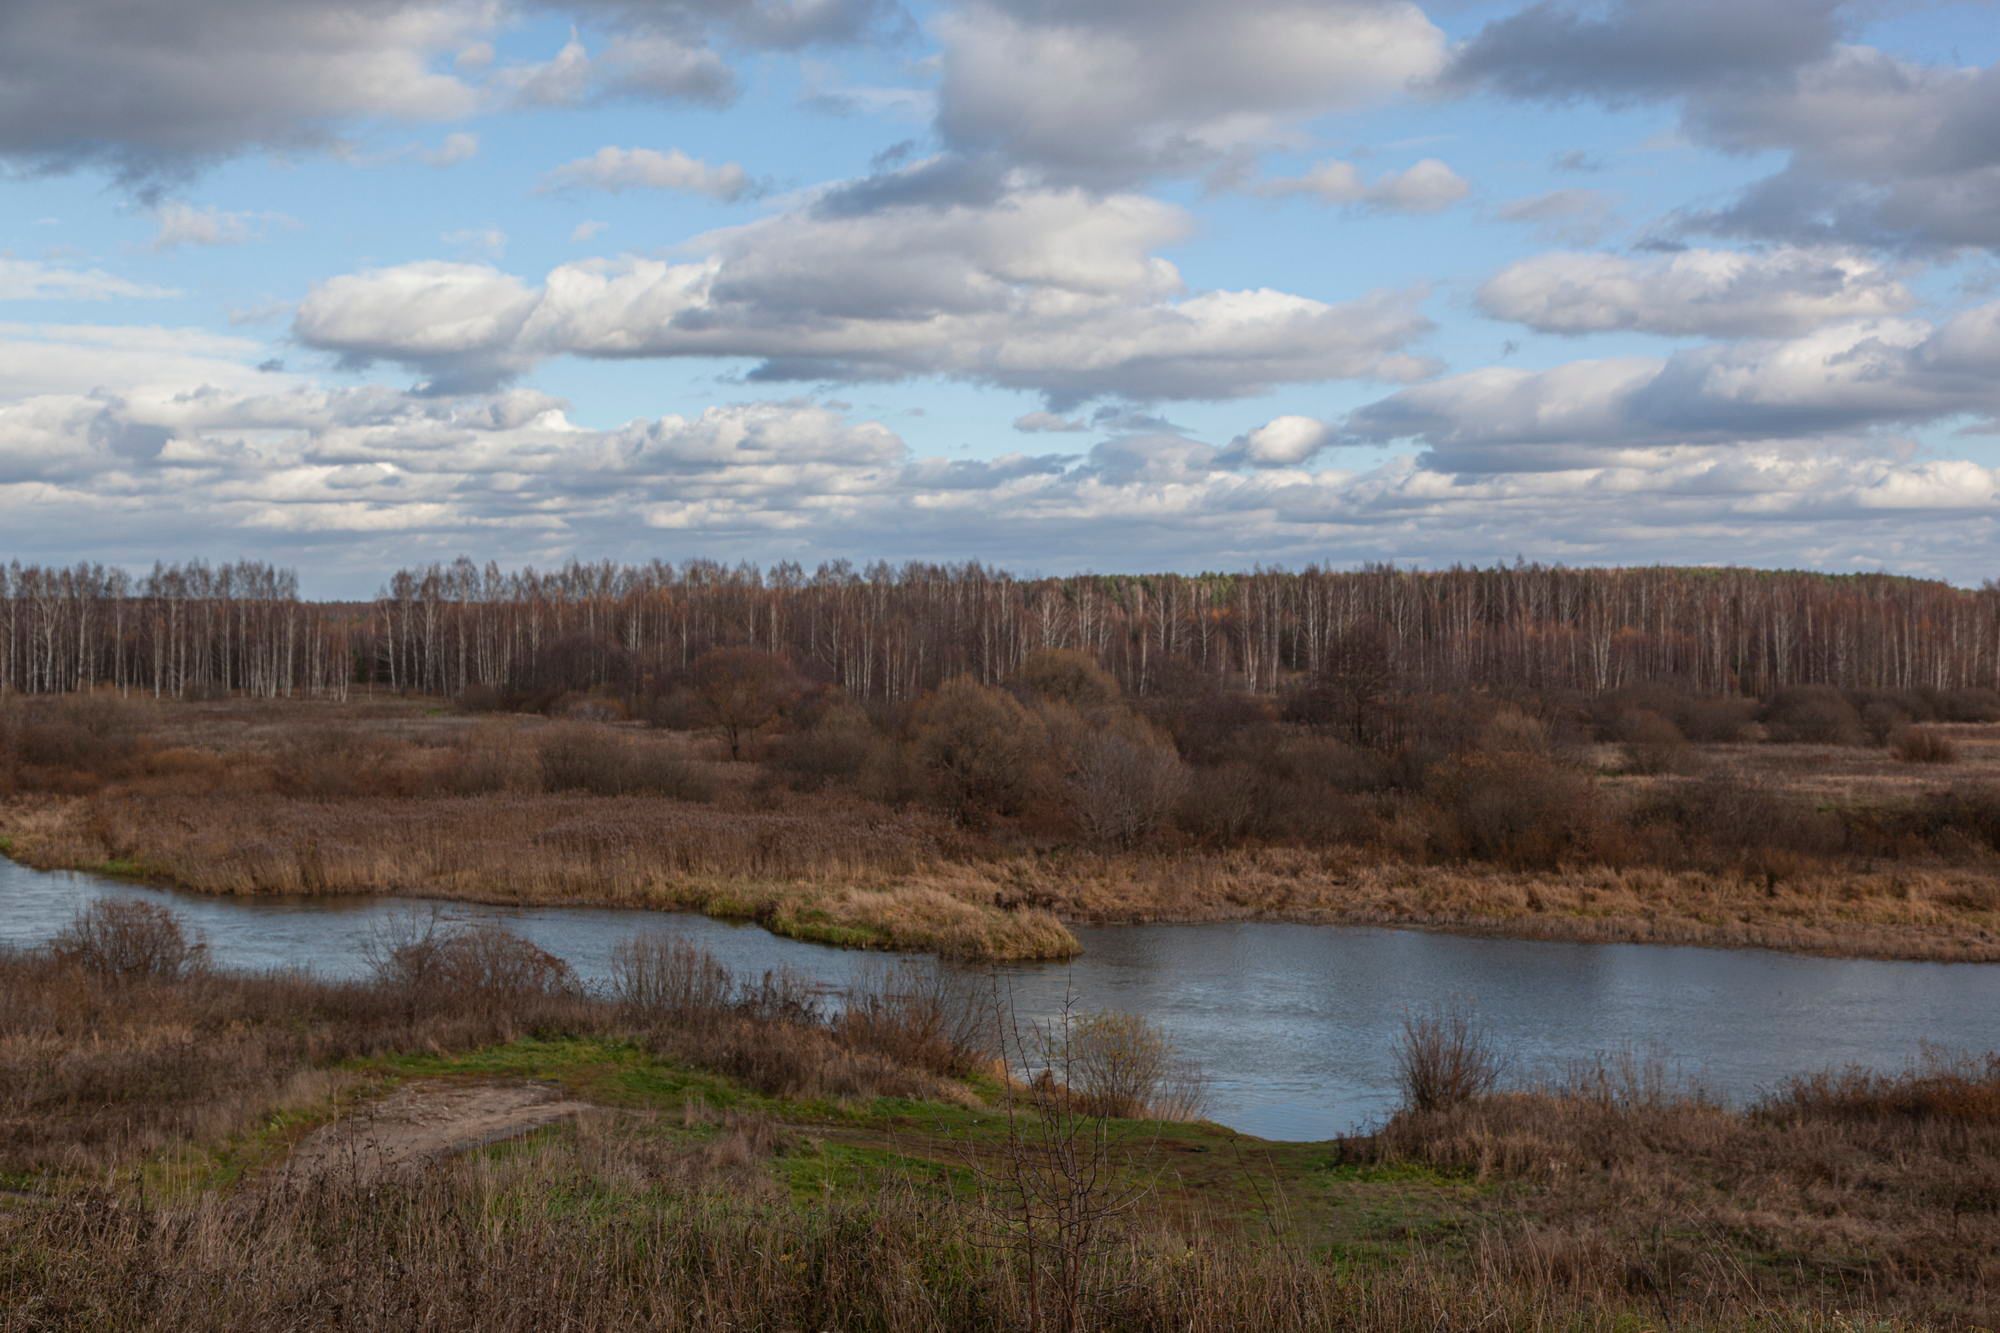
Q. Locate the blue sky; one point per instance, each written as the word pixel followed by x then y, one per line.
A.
pixel 1104 284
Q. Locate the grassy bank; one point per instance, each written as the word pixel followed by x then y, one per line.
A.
pixel 1818 848
pixel 844 878
pixel 847 877
pixel 743 1162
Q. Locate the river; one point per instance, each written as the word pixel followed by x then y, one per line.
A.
pixel 1293 1025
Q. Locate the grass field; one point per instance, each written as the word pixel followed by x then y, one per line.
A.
pixel 164 1162
pixel 1851 853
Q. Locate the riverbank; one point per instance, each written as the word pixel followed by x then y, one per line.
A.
pixel 233 1151
pixel 863 879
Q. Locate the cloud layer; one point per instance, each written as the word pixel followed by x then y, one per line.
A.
pixel 1054 291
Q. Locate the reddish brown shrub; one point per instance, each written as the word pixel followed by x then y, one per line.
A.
pixel 130 940
pixel 1922 745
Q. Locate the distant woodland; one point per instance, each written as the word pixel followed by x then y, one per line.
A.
pixel 894 633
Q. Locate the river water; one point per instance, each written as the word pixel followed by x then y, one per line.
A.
pixel 1293 1025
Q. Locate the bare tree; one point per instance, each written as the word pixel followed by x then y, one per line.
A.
pixel 742 691
pixel 1122 783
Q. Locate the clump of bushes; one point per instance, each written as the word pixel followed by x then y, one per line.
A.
pixel 422 959
pixel 594 759
pixel 1120 781
pixel 1120 1065
pixel 1652 743
pixel 977 749
pixel 1814 715
pixel 128 940
pixel 835 748
pixel 1444 1060
pixel 1922 745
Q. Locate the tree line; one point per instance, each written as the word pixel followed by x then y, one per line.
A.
pixel 897 632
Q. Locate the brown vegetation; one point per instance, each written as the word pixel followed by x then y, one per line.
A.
pixel 1896 1176
pixel 679 1176
pixel 1444 1060
pixel 969 822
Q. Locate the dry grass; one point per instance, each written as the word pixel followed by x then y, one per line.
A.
pixel 1937 913
pixel 851 875
pixel 1823 848
pixel 672 1242
pixel 1612 1201
pixel 1893 1180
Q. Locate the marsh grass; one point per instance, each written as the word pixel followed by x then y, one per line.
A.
pixel 1808 846
pixel 140 1120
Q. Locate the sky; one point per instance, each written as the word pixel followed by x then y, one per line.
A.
pixel 1054 285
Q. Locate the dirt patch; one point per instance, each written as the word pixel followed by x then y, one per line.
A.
pixel 423 1122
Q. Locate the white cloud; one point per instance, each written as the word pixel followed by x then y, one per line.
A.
pixel 1882 151
pixel 462 322
pixel 30 280
pixel 1050 290
pixel 1714 292
pixel 1840 380
pixel 1049 423
pixel 1429 186
pixel 1109 90
pixel 94 81
pixel 369 477
pixel 125 358
pixel 643 65
pixel 184 224
pixel 618 169
pixel 1287 441
pixel 587 231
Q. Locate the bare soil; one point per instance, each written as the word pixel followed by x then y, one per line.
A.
pixel 423 1122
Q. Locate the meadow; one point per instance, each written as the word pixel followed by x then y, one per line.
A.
pixel 181 1147
pixel 975 822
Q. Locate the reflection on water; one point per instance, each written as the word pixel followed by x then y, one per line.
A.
pixel 1293 1025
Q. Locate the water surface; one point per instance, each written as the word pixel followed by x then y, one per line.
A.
pixel 1293 1025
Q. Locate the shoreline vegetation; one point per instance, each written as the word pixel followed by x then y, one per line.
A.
pixel 979 824
pixel 468 1139
pixel 971 910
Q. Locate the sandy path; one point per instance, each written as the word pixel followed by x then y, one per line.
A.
pixel 423 1122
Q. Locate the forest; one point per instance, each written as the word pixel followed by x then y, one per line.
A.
pixel 887 633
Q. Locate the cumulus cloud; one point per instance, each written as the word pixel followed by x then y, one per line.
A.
pixel 1841 380
pixel 364 478
pixel 647 66
pixel 461 322
pixel 1107 91
pixel 1637 50
pixel 618 169
pixel 774 24
pixel 1044 423
pixel 1881 151
pixel 1055 291
pixel 1428 186
pixel 1288 441
pixel 295 73
pixel 298 74
pixel 1713 292
pixel 31 280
